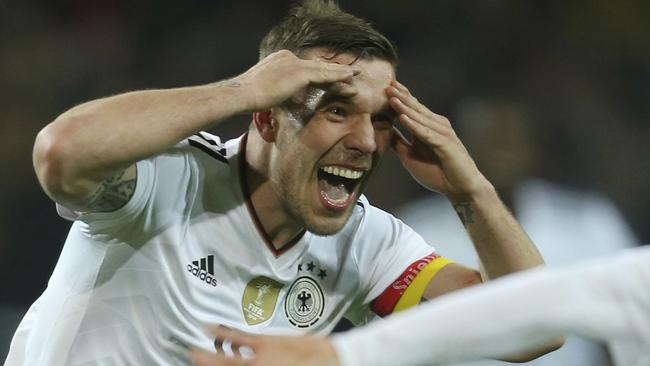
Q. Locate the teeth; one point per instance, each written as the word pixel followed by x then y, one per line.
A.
pixel 342 172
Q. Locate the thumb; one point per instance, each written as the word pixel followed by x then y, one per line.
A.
pixel 401 145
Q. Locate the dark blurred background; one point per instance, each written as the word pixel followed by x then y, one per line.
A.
pixel 581 68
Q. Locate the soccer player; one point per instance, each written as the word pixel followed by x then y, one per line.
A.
pixel 606 299
pixel 268 233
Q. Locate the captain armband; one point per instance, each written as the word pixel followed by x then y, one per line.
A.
pixel 409 288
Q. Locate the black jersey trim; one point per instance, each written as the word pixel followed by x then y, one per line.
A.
pixel 206 137
pixel 215 154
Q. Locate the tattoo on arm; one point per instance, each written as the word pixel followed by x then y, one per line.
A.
pixel 465 212
pixel 114 192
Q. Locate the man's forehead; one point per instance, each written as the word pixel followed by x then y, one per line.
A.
pixel 373 70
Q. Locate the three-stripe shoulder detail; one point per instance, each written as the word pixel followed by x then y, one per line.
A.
pixel 210 145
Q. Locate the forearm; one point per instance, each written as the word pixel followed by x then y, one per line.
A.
pixel 501 243
pixel 94 140
pixel 501 318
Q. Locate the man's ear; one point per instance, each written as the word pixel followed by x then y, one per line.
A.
pixel 266 126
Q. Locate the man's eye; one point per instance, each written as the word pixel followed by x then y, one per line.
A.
pixel 337 111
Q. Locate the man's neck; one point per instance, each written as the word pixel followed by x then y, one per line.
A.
pixel 278 225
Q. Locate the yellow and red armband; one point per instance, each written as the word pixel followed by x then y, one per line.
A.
pixel 408 289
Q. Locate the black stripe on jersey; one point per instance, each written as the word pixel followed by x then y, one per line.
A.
pixel 205 264
pixel 208 140
pixel 208 151
pixel 211 264
pixel 222 150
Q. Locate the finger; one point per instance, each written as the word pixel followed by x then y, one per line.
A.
pixel 398 138
pixel 430 120
pixel 342 88
pixel 236 337
pixel 327 72
pixel 400 144
pixel 420 131
pixel 203 358
pixel 408 100
pixel 401 87
pixel 403 109
pixel 398 105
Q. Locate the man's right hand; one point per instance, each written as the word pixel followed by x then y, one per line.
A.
pixel 280 75
pixel 268 350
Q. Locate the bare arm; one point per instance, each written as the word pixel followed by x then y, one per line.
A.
pixel 437 159
pixel 85 158
pixel 500 241
pixel 90 150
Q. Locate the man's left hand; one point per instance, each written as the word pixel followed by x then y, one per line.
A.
pixel 436 158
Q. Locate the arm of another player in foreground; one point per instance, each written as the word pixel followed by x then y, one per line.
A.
pixel 455 277
pixel 595 300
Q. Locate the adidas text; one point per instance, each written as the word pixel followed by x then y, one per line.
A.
pixel 202 274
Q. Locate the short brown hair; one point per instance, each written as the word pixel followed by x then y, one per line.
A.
pixel 321 23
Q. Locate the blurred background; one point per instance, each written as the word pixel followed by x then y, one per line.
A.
pixel 574 76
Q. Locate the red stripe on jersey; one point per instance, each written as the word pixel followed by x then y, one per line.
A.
pixel 385 303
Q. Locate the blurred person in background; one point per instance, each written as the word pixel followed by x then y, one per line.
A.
pixel 567 224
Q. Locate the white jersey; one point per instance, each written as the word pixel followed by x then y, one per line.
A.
pixel 137 286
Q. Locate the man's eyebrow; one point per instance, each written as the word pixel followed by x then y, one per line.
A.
pixel 329 98
pixel 387 112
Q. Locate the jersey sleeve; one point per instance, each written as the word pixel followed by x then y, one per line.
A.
pixel 164 187
pixel 389 256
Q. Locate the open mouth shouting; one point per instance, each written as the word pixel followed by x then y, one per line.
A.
pixel 338 186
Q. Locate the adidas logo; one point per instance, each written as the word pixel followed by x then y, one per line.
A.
pixel 203 269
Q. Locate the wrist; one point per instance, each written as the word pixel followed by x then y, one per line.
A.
pixel 233 94
pixel 481 191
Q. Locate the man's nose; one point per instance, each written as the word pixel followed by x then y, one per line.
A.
pixel 362 136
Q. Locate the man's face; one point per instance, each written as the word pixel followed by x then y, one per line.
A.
pixel 328 143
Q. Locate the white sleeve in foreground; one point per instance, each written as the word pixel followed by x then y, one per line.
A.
pixel 508 316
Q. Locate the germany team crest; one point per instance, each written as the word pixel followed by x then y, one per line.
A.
pixel 259 300
pixel 305 302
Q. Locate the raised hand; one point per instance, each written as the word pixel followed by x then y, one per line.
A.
pixel 436 158
pixel 280 75
pixel 267 350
